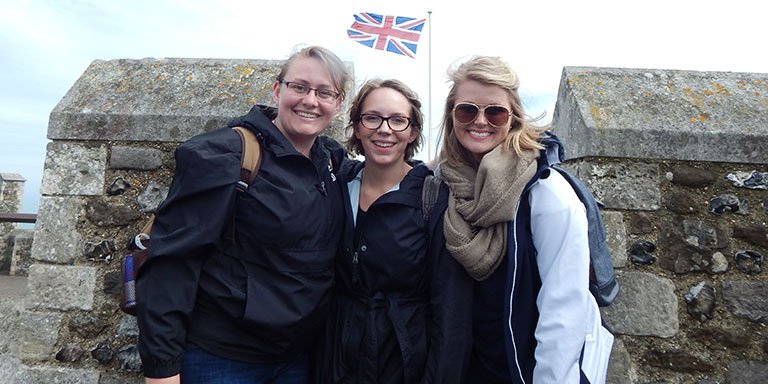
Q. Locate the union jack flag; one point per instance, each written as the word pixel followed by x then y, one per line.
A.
pixel 397 34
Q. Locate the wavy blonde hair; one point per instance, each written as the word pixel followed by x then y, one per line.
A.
pixel 524 134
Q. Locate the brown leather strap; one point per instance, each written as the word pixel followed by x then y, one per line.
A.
pixel 249 164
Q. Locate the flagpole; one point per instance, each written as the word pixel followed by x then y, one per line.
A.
pixel 429 92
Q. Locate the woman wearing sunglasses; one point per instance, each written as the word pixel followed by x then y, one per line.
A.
pixel 398 290
pixel 522 239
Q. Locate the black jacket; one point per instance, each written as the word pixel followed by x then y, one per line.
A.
pixel 263 296
pixel 404 304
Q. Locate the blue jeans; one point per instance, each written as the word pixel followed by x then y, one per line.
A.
pixel 201 367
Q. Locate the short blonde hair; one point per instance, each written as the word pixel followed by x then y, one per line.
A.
pixel 340 75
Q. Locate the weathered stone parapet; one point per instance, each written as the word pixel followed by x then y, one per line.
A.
pixel 663 114
pixel 165 100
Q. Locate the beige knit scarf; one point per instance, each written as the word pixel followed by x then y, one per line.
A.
pixel 483 201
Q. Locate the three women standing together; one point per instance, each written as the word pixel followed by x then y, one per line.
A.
pixel 491 288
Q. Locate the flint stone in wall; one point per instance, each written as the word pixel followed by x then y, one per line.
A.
pixel 151 197
pixel 166 100
pixel 747 299
pixel 56 239
pixel 646 306
pixel 44 375
pixel 61 287
pixel 128 326
pixel 682 203
pixel 633 186
pixel 678 361
pixel 106 212
pixel 38 332
pixel 616 236
pixel 756 234
pixel 663 114
pixel 748 372
pixel 639 223
pixel 135 158
pixel 719 338
pixel 689 176
pixel 74 169
pixel 699 233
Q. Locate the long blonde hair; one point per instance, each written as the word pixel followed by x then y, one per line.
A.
pixel 524 134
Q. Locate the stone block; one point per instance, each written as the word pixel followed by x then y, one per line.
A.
pixel 56 239
pixel 61 287
pixel 616 237
pixel 38 333
pixel 627 185
pixel 645 306
pixel 74 169
pixel 663 114
pixel 50 375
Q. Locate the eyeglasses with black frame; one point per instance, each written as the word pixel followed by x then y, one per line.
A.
pixel 322 94
pixel 396 123
pixel 496 115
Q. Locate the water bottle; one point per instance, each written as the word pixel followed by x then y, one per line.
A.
pixel 128 299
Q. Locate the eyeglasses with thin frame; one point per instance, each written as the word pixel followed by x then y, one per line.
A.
pixel 396 123
pixel 301 89
pixel 496 115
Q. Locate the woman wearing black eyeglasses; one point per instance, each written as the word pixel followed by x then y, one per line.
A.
pixel 398 290
pixel 520 235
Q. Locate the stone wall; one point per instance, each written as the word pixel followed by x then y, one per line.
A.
pixel 667 152
pixel 107 168
pixel 11 194
pixel 678 159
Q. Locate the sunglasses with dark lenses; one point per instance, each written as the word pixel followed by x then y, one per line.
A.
pixel 496 115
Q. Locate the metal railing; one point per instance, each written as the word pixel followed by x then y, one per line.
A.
pixel 7 217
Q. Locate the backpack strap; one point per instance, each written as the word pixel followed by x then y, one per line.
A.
pixel 429 193
pixel 251 158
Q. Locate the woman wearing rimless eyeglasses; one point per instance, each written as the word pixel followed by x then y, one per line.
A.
pixel 399 317
pixel 520 235
pixel 239 280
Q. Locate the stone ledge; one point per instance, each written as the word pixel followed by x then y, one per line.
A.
pixel 164 99
pixel 663 114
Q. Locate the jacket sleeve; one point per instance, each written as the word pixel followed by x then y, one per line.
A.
pixel 188 227
pixel 559 229
pixel 450 325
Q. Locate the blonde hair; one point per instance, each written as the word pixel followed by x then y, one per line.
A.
pixel 354 144
pixel 524 134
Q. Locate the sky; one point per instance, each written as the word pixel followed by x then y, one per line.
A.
pixel 46 45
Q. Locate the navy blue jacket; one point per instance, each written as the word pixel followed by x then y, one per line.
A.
pixel 262 297
pixel 403 313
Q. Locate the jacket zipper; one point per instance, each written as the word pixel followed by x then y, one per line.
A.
pixel 354 267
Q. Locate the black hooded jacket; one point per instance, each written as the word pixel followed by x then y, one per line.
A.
pixel 263 296
pixel 404 304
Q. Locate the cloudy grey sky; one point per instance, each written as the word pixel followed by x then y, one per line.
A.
pixel 45 45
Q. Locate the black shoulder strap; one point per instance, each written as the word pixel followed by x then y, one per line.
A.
pixel 429 193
